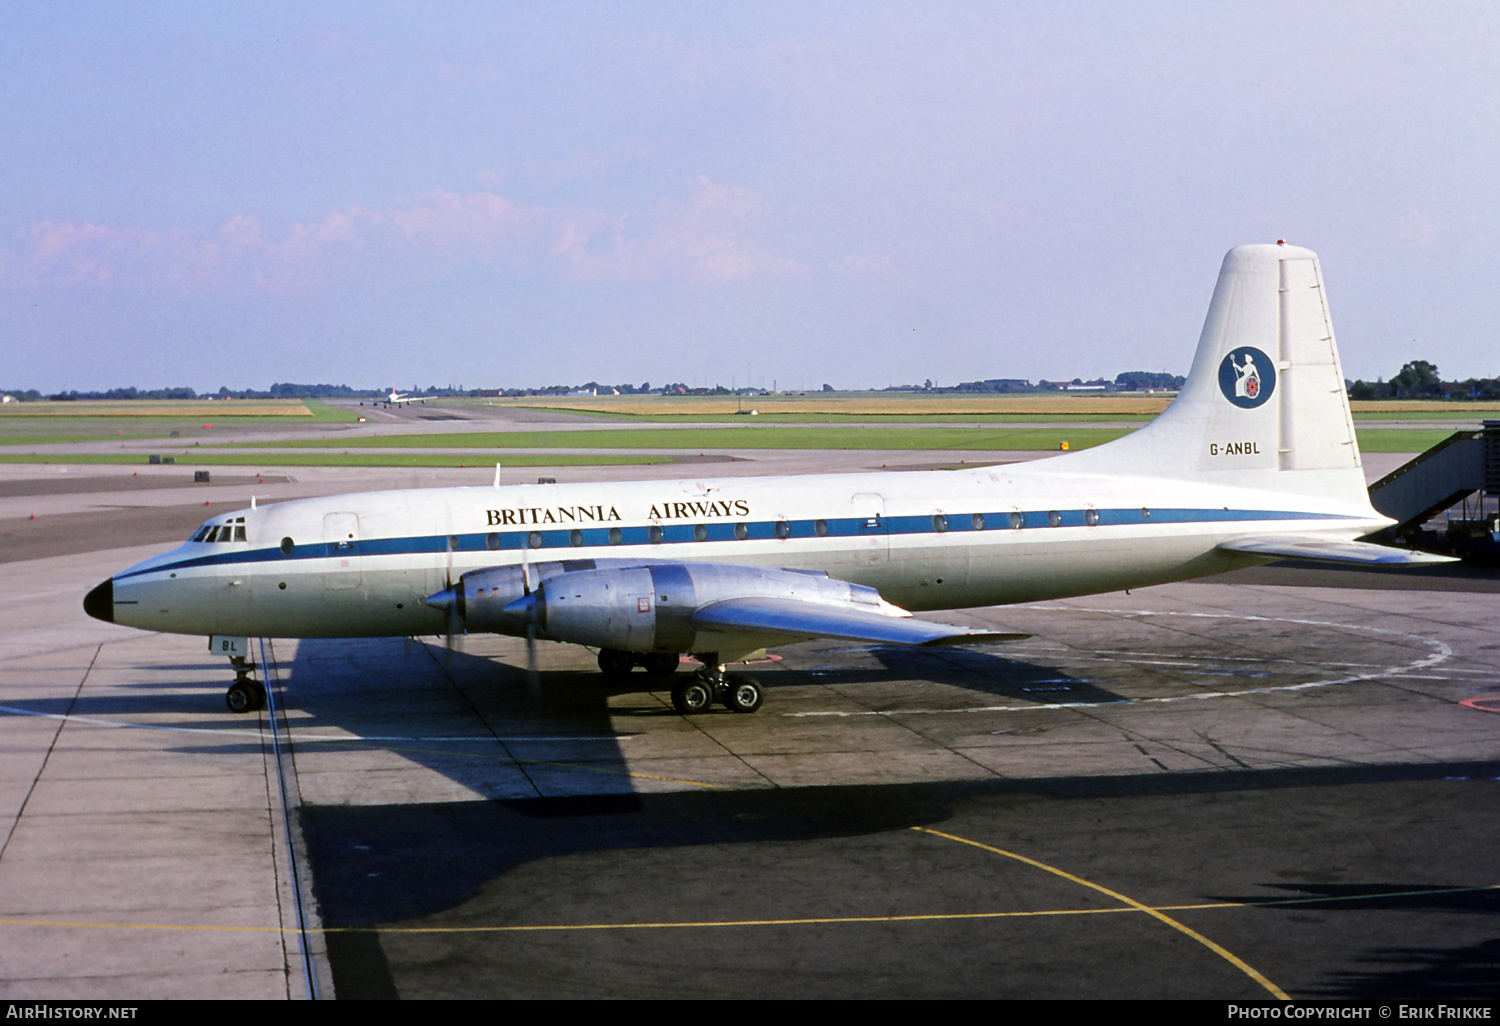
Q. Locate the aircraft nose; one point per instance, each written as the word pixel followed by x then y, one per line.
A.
pixel 100 603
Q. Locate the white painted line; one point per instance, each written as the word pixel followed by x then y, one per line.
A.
pixel 1441 653
pixel 265 735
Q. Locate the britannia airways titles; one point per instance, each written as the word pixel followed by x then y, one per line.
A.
pixel 604 514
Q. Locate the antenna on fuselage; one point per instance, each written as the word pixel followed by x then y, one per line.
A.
pixel 497 475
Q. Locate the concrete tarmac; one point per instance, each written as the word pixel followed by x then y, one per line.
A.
pixel 1280 781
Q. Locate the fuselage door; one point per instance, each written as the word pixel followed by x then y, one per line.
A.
pixel 342 533
pixel 872 538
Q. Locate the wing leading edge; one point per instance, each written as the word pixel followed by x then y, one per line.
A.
pixel 796 618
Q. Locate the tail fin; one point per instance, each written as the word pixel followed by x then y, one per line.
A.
pixel 1264 405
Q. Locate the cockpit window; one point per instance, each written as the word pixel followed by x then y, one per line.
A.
pixel 229 530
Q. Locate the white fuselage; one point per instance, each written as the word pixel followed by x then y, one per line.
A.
pixel 361 565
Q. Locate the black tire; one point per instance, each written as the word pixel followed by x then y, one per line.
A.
pixel 614 664
pixel 742 693
pixel 244 696
pixel 661 664
pixel 692 696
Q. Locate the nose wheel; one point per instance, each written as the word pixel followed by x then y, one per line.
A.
pixel 246 694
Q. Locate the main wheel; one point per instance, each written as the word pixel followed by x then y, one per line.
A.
pixel 615 664
pixel 692 696
pixel 245 696
pixel 661 664
pixel 742 693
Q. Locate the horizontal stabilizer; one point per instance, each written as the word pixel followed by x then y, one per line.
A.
pixel 795 618
pixel 1359 553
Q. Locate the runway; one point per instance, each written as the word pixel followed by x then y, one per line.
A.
pixel 1277 782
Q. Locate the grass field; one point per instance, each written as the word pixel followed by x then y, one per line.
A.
pixel 919 406
pixel 203 458
pixel 1399 439
pixel 909 423
pixel 859 404
pixel 61 438
pixel 932 419
pixel 768 437
pixel 773 437
pixel 166 409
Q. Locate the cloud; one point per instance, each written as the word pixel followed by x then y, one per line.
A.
pixel 705 235
pixel 64 253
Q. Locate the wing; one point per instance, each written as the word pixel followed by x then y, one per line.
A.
pixel 1347 552
pixel 796 618
pixel 658 606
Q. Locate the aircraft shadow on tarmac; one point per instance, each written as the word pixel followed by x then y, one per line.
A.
pixel 1433 974
pixel 1465 973
pixel 399 688
pixel 984 673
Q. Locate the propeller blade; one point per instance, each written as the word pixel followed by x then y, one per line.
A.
pixel 452 605
pixel 533 678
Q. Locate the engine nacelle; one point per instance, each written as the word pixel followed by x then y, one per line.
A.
pixel 482 595
pixel 650 608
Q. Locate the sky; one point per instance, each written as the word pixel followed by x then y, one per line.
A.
pixel 501 195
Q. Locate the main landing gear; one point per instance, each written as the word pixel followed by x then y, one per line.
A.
pixel 246 694
pixel 616 665
pixel 738 692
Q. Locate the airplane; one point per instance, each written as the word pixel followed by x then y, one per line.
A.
pixel 397 398
pixel 1255 459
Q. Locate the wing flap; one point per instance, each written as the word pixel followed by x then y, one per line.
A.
pixel 795 618
pixel 1348 552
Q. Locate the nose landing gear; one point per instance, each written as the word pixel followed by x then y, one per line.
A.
pixel 246 694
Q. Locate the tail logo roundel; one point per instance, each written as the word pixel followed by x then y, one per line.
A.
pixel 1247 377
